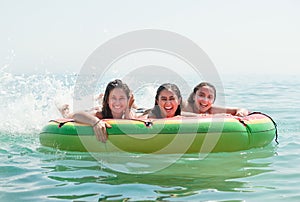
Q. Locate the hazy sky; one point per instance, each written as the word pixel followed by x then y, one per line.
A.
pixel 239 36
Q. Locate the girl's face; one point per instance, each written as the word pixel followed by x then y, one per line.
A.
pixel 117 102
pixel 204 98
pixel 168 103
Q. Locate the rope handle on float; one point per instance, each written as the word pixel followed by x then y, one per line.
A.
pixel 62 122
pixel 147 123
pixel 276 131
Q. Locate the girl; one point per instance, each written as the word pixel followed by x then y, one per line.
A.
pixel 201 101
pixel 167 102
pixel 117 103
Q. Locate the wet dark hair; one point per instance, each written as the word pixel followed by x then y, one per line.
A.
pixel 106 111
pixel 191 100
pixel 170 87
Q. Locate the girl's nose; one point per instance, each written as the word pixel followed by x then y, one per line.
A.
pixel 205 99
pixel 117 101
pixel 168 101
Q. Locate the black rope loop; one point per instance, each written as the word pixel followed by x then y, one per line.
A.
pixel 61 123
pixel 276 131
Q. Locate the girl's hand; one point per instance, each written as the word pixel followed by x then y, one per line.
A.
pixel 128 114
pixel 100 130
pixel 130 101
pixel 241 112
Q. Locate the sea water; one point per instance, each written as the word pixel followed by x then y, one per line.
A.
pixel 31 172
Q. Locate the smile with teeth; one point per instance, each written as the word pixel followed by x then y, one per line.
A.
pixel 203 105
pixel 117 107
pixel 168 108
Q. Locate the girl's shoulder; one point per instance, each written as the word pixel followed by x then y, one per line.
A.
pixel 154 113
pixel 151 115
pixel 186 106
pixel 99 114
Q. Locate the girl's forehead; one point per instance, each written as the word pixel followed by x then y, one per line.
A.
pixel 117 91
pixel 206 89
pixel 166 92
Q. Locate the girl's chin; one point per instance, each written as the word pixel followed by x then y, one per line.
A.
pixel 118 111
pixel 203 110
pixel 170 114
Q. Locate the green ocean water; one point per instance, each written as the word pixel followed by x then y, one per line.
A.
pixel 31 172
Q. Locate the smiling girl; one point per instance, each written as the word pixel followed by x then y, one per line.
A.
pixel 167 102
pixel 201 101
pixel 117 102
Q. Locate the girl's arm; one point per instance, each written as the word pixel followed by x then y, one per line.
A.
pixel 229 110
pixel 98 125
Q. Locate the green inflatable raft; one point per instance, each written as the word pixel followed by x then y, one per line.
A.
pixel 208 133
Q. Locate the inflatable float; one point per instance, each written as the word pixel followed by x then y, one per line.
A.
pixel 208 133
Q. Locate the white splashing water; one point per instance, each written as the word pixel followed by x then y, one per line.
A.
pixel 29 102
